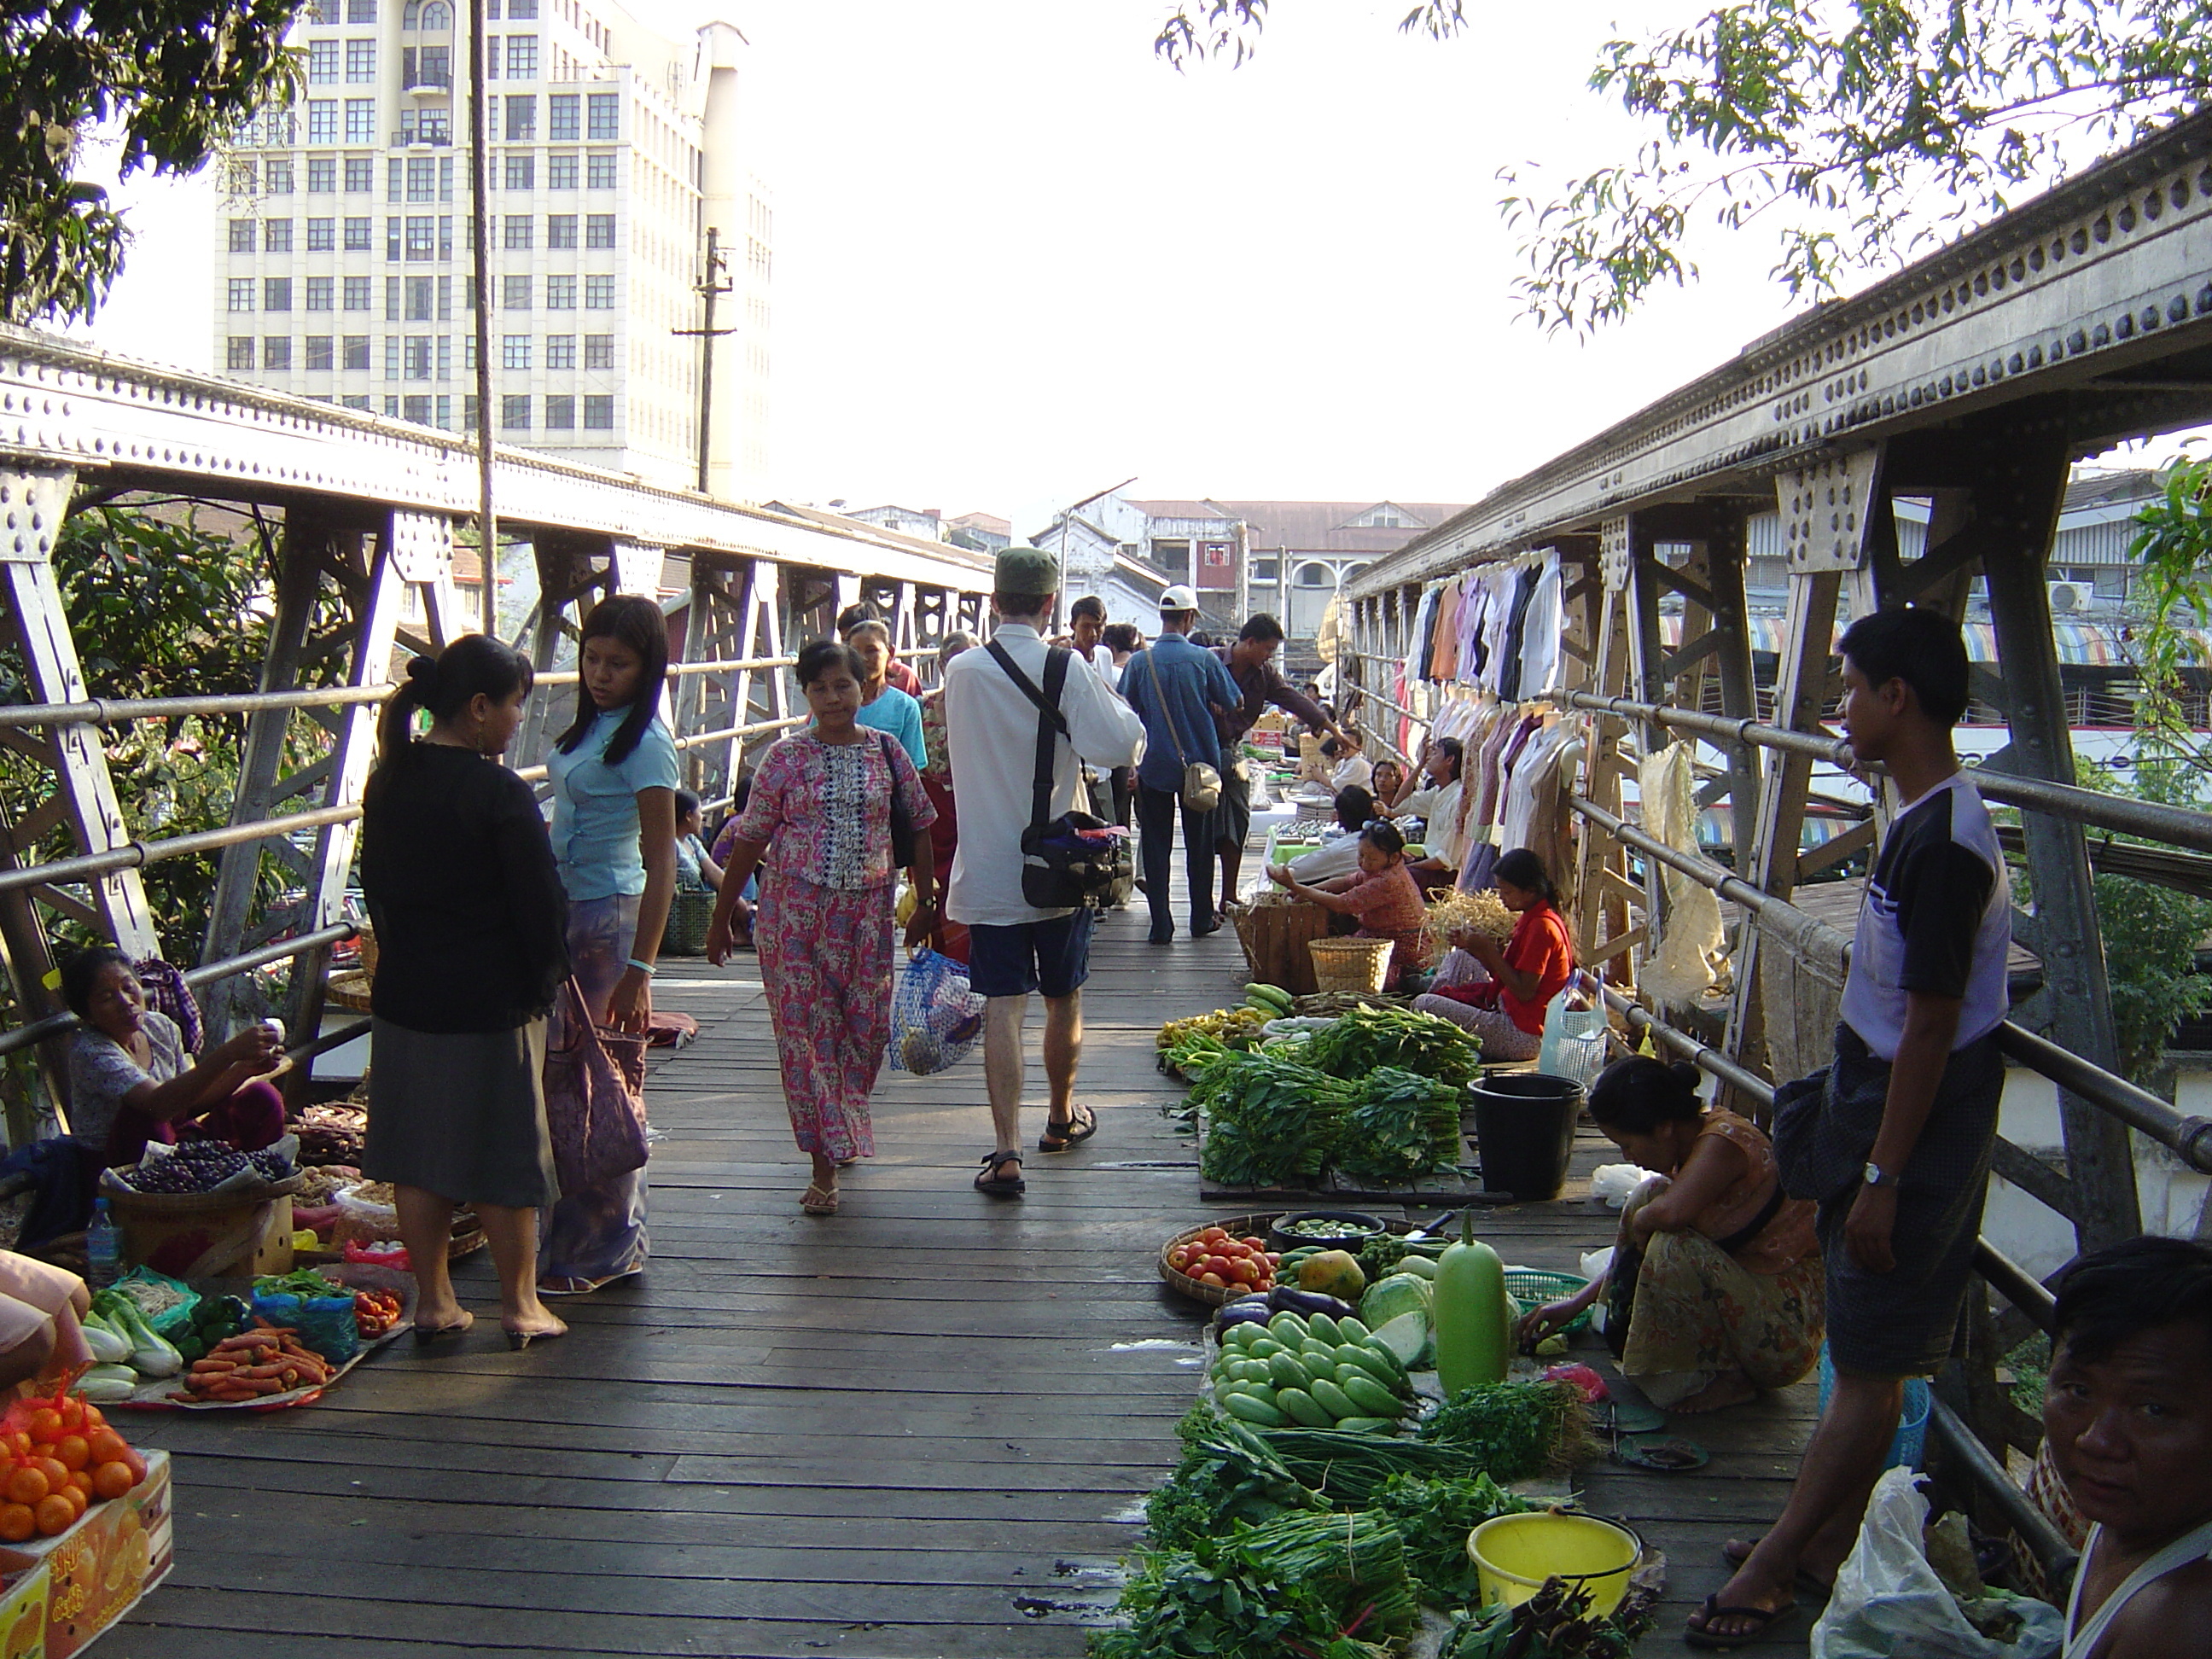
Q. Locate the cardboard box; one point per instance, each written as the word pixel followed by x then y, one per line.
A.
pixel 90 1576
pixel 198 1237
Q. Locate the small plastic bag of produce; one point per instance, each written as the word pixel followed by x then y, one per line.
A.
pixel 1613 1182
pixel 935 1018
pixel 325 1323
pixel 365 1212
pixel 166 1304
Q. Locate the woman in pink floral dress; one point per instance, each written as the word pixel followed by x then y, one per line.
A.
pixel 824 797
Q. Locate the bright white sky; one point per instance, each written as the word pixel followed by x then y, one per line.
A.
pixel 1018 259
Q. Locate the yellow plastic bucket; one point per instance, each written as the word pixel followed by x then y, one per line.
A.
pixel 1514 1554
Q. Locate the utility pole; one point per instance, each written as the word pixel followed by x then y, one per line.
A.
pixel 480 264
pixel 714 282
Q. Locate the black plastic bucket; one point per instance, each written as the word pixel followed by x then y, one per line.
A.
pixel 1524 1131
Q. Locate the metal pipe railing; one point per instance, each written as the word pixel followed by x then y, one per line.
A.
pixel 136 855
pixel 1702 1055
pixel 108 711
pixel 2174 825
pixel 2049 1546
pixel 759 729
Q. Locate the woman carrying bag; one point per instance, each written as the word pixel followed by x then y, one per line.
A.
pixel 471 922
pixel 834 799
pixel 614 772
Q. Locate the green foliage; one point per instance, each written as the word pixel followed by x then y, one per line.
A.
pixel 176 76
pixel 1198 29
pixel 2174 546
pixel 2151 934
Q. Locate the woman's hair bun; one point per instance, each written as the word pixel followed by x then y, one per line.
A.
pixel 1686 1075
pixel 423 672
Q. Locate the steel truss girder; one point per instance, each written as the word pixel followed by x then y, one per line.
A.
pixel 66 405
pixel 2073 299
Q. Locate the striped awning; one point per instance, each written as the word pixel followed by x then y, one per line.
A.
pixel 2082 644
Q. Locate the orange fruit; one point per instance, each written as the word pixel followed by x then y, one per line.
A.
pixel 93 1417
pixel 46 1426
pixel 73 1452
pixel 54 1514
pixel 71 1412
pixel 109 1480
pixel 106 1446
pixel 79 1498
pixel 26 1486
pixel 54 1469
pixel 17 1523
pixel 134 1463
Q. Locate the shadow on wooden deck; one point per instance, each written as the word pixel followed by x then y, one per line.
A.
pixel 921 1427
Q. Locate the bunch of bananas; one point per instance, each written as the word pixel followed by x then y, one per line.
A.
pixel 1237 1027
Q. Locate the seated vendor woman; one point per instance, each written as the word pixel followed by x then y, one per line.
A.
pixel 1384 898
pixel 1714 1293
pixel 132 1081
pixel 1500 993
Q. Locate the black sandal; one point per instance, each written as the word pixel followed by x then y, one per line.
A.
pixel 1079 1127
pixel 1001 1186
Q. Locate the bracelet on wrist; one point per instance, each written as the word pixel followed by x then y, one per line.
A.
pixel 645 967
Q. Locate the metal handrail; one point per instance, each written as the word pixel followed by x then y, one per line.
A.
pixel 136 855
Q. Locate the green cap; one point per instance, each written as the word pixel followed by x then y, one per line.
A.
pixel 1028 571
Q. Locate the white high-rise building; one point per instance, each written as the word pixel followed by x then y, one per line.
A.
pixel 343 263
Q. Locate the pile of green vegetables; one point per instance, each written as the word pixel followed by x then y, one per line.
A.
pixel 1515 1429
pixel 1272 1121
pixel 1365 1039
pixel 1555 1623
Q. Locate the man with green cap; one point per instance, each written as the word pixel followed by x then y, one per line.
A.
pixel 991 723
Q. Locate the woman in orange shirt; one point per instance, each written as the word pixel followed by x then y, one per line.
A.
pixel 1503 1003
pixel 1383 898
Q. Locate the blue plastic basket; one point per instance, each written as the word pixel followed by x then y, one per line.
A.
pixel 1911 1423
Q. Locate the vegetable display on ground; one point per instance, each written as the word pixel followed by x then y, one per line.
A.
pixel 1218 1257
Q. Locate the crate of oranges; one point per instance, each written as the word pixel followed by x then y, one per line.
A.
pixel 58 1456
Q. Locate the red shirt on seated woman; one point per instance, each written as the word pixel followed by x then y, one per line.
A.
pixel 131 1080
pixel 1504 1007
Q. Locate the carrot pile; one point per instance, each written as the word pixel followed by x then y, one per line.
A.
pixel 267 1360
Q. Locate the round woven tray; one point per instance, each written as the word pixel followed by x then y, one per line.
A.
pixel 1350 964
pixel 348 991
pixel 1244 1226
pixel 194 1203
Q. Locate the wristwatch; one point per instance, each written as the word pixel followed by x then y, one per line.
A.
pixel 1875 1176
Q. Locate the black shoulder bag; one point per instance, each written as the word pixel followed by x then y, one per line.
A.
pixel 904 838
pixel 1075 858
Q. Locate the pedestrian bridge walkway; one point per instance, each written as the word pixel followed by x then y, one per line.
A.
pixel 922 1427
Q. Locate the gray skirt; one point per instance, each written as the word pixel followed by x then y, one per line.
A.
pixel 460 1113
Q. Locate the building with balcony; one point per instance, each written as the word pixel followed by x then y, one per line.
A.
pixel 615 152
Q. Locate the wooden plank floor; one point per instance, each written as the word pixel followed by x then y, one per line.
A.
pixel 921 1427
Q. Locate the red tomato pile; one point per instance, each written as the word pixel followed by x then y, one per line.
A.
pixel 1219 1257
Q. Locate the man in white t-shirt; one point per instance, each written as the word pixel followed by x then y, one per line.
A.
pixel 1894 1138
pixel 1013 947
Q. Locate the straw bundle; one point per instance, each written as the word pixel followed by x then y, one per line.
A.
pixel 1481 912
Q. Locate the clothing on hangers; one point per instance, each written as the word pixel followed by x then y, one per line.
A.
pixel 1541 630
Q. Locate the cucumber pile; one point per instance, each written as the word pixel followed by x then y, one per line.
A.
pixel 1271 1001
pixel 1316 1373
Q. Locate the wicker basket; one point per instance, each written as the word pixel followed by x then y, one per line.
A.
pixel 1350 964
pixel 348 991
pixel 690 914
pixel 367 942
pixel 1244 1226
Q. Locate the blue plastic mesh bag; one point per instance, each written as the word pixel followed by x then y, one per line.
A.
pixel 935 1018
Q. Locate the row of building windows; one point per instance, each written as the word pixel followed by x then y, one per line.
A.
pixel 417 14
pixel 560 293
pixel 517 231
pixel 412 357
pixel 417 177
pixel 514 413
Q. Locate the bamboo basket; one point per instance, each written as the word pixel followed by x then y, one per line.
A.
pixel 348 991
pixel 1350 964
pixel 1274 937
pixel 368 951
pixel 1244 1226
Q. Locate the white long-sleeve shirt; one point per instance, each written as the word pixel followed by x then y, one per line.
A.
pixel 991 727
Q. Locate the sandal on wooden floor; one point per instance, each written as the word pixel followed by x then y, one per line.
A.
pixel 997 1183
pixel 818 1200
pixel 1059 1136
pixel 1700 1634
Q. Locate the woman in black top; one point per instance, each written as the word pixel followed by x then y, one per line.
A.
pixel 470 927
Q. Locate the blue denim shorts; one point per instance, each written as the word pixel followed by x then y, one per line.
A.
pixel 1052 957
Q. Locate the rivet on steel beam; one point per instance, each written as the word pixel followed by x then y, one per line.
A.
pixel 2101 335
pixel 2177 308
pixel 2123 327
pixel 2127 220
pixel 2102 230
pixel 2180 192
pixel 2154 205
pixel 1982 282
pixel 1915 396
pixel 1982 375
pixel 2015 363
pixel 2078 241
pixel 2149 318
pixel 2078 341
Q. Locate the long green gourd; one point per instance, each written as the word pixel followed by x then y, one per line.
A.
pixel 1473 1329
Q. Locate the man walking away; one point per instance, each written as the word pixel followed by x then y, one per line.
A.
pixel 1251 664
pixel 1176 689
pixel 1893 1139
pixel 1014 948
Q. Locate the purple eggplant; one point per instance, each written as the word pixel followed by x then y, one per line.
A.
pixel 1244 1310
pixel 1285 1298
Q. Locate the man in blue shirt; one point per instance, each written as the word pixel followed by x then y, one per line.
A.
pixel 1177 689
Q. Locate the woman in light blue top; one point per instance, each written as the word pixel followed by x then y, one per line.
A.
pixel 614 774
pixel 883 707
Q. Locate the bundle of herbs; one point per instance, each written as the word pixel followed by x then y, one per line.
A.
pixel 1514 1430
pixel 1403 1126
pixel 1348 1466
pixel 1314 1586
pixel 1434 1517
pixel 1228 1474
pixel 1269 1122
pixel 1363 1040
pixel 1555 1623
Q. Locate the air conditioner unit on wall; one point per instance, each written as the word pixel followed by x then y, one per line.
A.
pixel 2068 597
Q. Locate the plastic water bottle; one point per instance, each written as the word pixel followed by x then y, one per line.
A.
pixel 103 1249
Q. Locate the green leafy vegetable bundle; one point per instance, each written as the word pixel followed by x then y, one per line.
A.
pixel 1349 1466
pixel 1403 1126
pixel 1555 1623
pixel 1365 1039
pixel 1434 1517
pixel 1227 1474
pixel 1513 1430
pixel 1270 1122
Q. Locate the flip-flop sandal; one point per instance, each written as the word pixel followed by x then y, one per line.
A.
pixel 1001 1186
pixel 1059 1136
pixel 1806 1581
pixel 1668 1453
pixel 818 1200
pixel 1697 1635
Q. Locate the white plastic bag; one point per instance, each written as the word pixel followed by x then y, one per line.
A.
pixel 1888 1602
pixel 1595 1262
pixel 1613 1182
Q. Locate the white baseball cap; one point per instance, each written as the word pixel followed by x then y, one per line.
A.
pixel 1178 598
